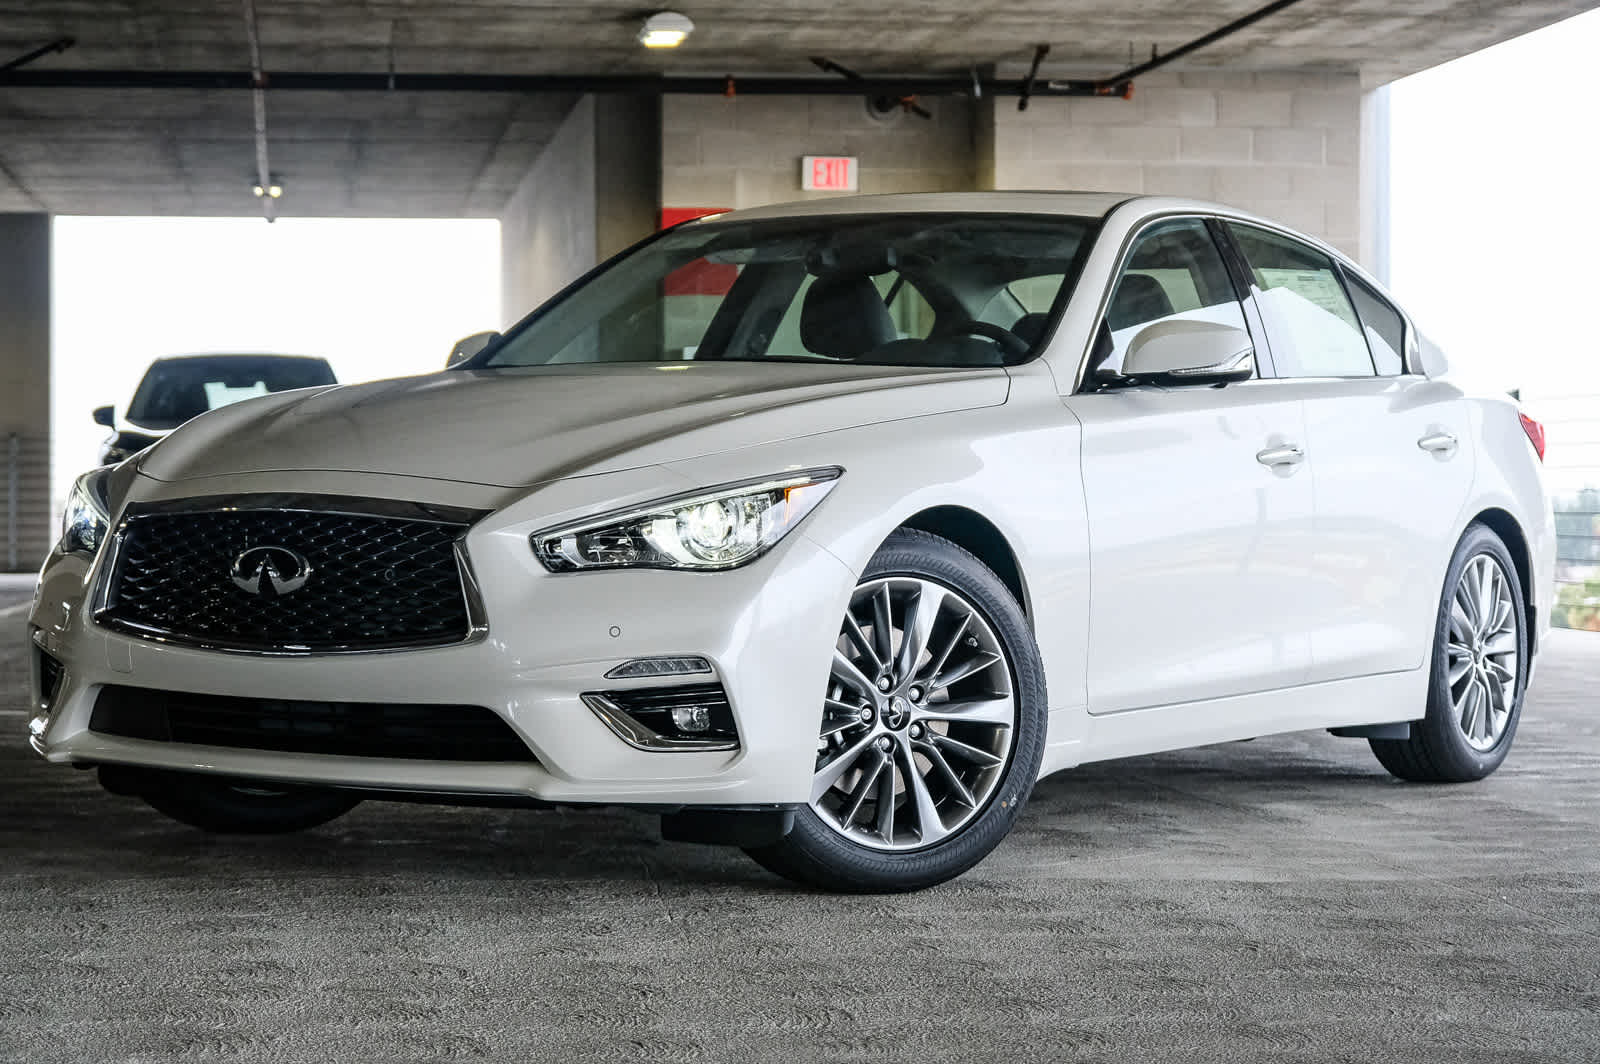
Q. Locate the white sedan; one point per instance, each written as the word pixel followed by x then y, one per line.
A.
pixel 825 531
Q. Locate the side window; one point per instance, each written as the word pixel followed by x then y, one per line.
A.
pixel 1385 328
pixel 1173 270
pixel 1313 328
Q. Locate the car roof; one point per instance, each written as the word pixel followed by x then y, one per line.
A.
pixel 1078 204
pixel 241 355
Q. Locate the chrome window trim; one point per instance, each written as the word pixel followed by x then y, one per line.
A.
pixel 337 505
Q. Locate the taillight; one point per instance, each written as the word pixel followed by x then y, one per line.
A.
pixel 1535 433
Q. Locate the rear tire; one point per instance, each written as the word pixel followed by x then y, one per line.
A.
pixel 1479 671
pixel 930 745
pixel 243 807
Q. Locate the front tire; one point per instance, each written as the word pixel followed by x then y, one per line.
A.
pixel 932 728
pixel 1479 671
pixel 243 807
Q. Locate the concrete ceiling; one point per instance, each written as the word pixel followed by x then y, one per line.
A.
pixel 448 154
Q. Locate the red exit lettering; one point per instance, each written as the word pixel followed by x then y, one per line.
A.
pixel 828 173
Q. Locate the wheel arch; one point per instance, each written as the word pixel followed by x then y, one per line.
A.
pixel 978 536
pixel 1502 524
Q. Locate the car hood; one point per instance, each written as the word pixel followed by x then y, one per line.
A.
pixel 519 427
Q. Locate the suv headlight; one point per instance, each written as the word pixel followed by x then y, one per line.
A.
pixel 719 528
pixel 87 518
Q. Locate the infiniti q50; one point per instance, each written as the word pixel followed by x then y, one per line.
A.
pixel 825 531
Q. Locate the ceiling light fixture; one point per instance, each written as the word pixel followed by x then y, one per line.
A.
pixel 274 191
pixel 665 29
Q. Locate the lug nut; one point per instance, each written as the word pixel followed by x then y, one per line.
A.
pixel 916 694
pixel 885 743
pixel 866 714
pixel 916 731
pixel 883 683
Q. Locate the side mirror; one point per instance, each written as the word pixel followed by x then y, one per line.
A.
pixel 104 415
pixel 468 346
pixel 1186 351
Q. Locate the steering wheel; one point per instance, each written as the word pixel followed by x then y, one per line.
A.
pixel 1008 341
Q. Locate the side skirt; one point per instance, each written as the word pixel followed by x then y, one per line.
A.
pixel 1337 705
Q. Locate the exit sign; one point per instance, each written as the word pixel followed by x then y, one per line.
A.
pixel 828 173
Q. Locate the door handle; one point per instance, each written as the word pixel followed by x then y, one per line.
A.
pixel 1286 454
pixel 1440 443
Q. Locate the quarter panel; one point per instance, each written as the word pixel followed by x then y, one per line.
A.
pixel 1387 518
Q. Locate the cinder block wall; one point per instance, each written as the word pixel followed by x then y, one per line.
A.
pixel 1283 145
pixel 1286 145
pixel 593 190
pixel 745 151
pixel 26 525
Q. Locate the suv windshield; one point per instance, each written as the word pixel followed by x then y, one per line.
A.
pixel 907 289
pixel 176 389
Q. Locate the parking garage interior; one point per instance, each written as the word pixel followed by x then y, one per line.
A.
pixel 1279 899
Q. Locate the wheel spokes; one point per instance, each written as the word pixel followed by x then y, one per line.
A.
pixel 976 710
pixel 951 777
pixel 922 611
pixel 830 773
pixel 849 674
pixel 930 825
pixel 889 773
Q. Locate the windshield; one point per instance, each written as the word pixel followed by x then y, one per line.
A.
pixel 176 389
pixel 908 289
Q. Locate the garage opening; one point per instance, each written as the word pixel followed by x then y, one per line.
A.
pixel 375 298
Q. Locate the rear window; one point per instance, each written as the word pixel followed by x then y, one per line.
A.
pixel 175 390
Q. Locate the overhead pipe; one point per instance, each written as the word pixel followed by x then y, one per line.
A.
pixel 1117 85
pixel 258 94
pixel 60 44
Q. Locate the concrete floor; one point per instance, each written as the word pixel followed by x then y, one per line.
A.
pixel 1270 901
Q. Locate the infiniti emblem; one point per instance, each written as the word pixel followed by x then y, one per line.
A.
pixel 271 571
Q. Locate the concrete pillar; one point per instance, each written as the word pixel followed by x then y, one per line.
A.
pixel 25 527
pixel 593 191
pixel 1375 182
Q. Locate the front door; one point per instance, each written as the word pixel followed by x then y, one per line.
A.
pixel 1200 516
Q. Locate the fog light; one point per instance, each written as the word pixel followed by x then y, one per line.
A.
pixel 691 718
pixel 682 717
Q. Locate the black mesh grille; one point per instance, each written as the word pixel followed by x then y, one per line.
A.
pixel 373 581
pixel 350 729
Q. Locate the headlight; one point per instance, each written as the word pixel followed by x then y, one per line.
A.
pixel 87 517
pixel 719 528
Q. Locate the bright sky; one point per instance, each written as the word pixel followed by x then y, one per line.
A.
pixel 1494 233
pixel 376 297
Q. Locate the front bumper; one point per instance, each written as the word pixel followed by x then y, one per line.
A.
pixel 767 630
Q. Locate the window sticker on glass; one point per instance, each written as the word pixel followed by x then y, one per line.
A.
pixel 219 394
pixel 1315 286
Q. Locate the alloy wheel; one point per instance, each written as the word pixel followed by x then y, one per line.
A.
pixel 1481 649
pixel 917 727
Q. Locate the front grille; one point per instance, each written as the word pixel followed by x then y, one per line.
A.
pixel 349 729
pixel 372 581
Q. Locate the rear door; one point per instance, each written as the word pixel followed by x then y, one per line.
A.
pixel 1389 452
pixel 1195 532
